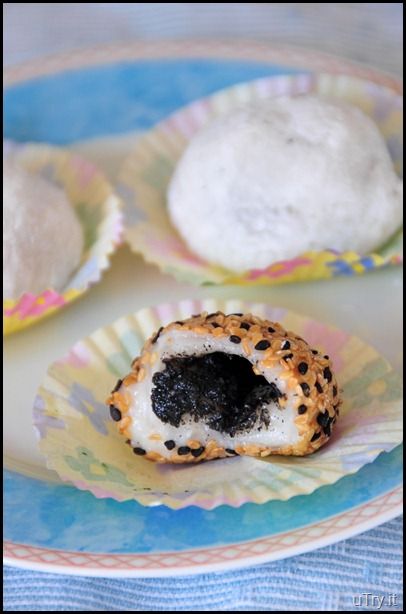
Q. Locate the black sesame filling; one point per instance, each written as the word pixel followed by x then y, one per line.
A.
pixel 218 389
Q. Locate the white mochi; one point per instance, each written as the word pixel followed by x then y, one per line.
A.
pixel 42 237
pixel 289 175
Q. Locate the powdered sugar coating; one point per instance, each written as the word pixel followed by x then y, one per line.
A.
pixel 293 174
pixel 42 237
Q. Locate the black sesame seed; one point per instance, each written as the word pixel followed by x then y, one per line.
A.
pixel 327 429
pixel 302 409
pixel 319 387
pixel 170 444
pixel 262 345
pixel 211 315
pixel 215 325
pixel 230 451
pixel 285 345
pixel 235 339
pixel 315 352
pixel 327 374
pixel 306 388
pixel 156 336
pixel 245 325
pixel 302 368
pixel 198 451
pixel 139 451
pixel 323 418
pixel 117 386
pixel 315 436
pixel 270 329
pixel 326 356
pixel 183 450
pixel 178 322
pixel 236 314
pixel 115 413
pixel 288 356
pixel 334 391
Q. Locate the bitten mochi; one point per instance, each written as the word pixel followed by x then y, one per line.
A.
pixel 216 386
pixel 42 237
pixel 271 181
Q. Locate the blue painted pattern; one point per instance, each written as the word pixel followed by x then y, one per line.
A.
pixel 62 517
pixel 92 102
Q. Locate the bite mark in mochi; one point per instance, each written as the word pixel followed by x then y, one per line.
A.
pixel 219 389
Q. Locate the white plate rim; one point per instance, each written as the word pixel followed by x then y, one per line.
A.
pixel 203 560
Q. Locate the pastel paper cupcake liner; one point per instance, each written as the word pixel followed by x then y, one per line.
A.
pixel 99 211
pixel 147 171
pixel 81 442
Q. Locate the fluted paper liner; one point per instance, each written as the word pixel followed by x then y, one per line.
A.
pixel 81 442
pixel 146 173
pixel 99 211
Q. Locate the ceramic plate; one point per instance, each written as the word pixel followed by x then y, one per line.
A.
pixel 53 526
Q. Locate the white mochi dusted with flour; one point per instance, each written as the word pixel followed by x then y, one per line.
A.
pixel 42 237
pixel 270 181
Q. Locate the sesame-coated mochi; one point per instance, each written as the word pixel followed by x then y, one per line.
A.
pixel 216 386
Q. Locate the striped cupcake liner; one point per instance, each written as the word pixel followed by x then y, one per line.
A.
pixel 146 173
pixel 99 211
pixel 81 442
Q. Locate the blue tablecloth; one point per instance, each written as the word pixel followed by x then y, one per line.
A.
pixel 365 570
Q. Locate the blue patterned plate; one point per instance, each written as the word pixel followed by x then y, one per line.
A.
pixel 55 527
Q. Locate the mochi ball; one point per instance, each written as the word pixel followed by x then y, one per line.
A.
pixel 42 237
pixel 270 181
